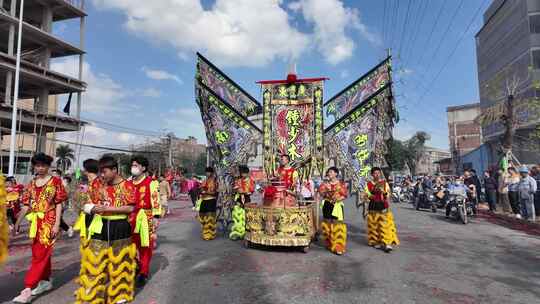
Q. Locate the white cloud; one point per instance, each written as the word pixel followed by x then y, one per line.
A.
pixel 331 21
pixel 239 32
pixel 160 75
pixel 186 122
pixel 102 93
pixel 405 71
pixel 344 74
pixel 151 92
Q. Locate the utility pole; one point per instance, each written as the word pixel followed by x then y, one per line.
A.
pixel 169 138
pixel 11 169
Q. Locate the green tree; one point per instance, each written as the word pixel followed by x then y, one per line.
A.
pixel 414 148
pixel 65 156
pixel 396 157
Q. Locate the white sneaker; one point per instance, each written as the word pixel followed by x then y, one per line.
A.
pixel 24 297
pixel 70 231
pixel 43 286
pixel 518 216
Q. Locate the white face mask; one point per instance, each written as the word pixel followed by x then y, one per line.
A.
pixel 135 171
pixel 458 182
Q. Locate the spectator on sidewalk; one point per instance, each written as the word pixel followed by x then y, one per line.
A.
pixel 165 194
pixel 502 182
pixel 513 194
pixel 490 185
pixel 535 173
pixel 526 190
pixel 477 185
pixel 193 188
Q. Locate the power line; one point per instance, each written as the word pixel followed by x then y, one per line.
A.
pixel 110 126
pixel 476 14
pixel 447 30
pixel 439 14
pixel 445 33
pixel 90 146
pixel 394 20
pixel 418 27
pixel 384 21
pixel 405 23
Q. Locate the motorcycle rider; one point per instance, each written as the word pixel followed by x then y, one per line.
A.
pixel 424 184
pixel 458 185
pixel 471 182
pixel 441 191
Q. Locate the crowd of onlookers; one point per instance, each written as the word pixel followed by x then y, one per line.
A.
pixel 514 191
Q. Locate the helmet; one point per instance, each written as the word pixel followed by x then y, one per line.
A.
pixel 523 169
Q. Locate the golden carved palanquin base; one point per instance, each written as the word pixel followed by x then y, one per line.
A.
pixel 272 226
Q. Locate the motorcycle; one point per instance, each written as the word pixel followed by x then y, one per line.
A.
pixel 425 200
pixel 461 208
pixel 397 194
pixel 408 194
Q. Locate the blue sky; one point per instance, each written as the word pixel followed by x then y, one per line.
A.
pixel 141 57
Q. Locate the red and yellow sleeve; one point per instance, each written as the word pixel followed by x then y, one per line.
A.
pixel 343 191
pixel 154 198
pixel 27 195
pixel 251 185
pixel 128 194
pixel 60 195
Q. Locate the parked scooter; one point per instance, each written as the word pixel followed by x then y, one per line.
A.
pixel 397 194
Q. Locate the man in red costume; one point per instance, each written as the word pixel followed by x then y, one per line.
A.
pixel 147 207
pixel 286 173
pixel 42 200
pixel 14 193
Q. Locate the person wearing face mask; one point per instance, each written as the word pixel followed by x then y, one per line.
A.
pixel 147 207
pixel 457 187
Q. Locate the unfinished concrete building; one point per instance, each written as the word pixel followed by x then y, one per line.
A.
pixel 38 117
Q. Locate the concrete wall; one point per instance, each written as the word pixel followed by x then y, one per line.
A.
pixel 464 132
pixel 27 142
pixel 503 51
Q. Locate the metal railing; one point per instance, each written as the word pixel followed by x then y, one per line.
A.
pixel 76 3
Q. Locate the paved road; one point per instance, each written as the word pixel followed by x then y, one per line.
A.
pixel 439 261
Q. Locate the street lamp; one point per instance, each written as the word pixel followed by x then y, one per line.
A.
pixel 11 169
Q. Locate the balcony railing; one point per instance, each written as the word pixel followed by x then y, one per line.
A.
pixel 75 3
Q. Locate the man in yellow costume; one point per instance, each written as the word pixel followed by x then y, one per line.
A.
pixel 108 260
pixel 381 228
pixel 334 230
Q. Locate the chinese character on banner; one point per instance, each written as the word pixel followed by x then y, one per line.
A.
pixel 365 171
pixel 292 152
pixel 362 155
pixel 361 140
pixel 293 124
pixel 222 137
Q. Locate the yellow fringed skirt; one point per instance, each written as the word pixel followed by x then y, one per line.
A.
pixel 381 229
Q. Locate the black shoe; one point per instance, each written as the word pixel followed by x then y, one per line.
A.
pixel 141 281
